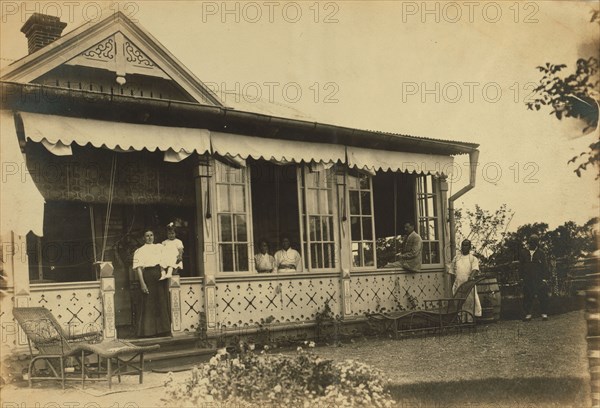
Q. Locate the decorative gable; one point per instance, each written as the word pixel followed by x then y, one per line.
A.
pixel 114 44
pixel 118 54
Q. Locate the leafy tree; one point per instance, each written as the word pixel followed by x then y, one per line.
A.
pixel 576 95
pixel 485 229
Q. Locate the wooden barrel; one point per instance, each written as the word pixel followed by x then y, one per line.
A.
pixel 489 296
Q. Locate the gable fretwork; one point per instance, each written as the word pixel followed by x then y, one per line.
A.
pixel 118 54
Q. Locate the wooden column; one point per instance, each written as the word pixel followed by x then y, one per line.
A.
pixel 107 291
pixel 175 290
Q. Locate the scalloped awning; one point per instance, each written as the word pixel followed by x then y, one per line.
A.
pixel 278 150
pixel 57 133
pixel 372 160
pixel 21 203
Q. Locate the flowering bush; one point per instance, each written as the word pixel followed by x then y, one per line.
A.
pixel 303 379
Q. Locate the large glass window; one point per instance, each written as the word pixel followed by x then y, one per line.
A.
pixel 427 195
pixel 232 218
pixel 317 218
pixel 361 220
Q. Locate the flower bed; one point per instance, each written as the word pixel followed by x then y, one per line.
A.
pixel 303 379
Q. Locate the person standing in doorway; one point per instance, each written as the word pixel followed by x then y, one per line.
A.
pixel 155 310
pixel 533 268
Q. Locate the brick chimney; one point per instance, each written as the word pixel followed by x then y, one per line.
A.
pixel 41 30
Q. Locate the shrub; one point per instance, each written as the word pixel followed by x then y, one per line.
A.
pixel 303 379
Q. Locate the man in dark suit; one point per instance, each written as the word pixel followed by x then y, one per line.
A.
pixel 535 275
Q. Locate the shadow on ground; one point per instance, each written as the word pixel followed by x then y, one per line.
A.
pixel 495 392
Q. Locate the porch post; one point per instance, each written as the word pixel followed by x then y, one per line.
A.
pixel 206 239
pixel 446 253
pixel 107 291
pixel 16 273
pixel 344 250
pixel 175 290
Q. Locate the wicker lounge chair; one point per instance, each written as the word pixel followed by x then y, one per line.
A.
pixel 439 314
pixel 55 346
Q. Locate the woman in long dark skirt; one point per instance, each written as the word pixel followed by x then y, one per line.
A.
pixel 155 313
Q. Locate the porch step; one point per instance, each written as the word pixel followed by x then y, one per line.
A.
pixel 175 360
pixel 174 352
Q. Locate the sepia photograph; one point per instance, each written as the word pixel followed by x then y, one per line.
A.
pixel 305 203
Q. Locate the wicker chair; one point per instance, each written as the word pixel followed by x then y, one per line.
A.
pixel 439 314
pixel 53 344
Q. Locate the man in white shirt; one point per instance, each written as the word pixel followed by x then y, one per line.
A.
pixel 287 259
pixel 465 266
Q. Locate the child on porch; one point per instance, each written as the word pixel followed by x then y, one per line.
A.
pixel 172 253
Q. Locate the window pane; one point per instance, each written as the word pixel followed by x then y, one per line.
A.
pixel 367 229
pixel 368 254
pixel 311 179
pixel 435 252
pixel 225 227
pixel 240 228
pixel 223 199
pixel 352 182
pixel 235 175
pixel 433 233
pixel 226 254
pixel 237 199
pixel 356 248
pixel 365 202
pixel 423 230
pixel 425 254
pixel 315 255
pixel 315 229
pixel 355 229
pixel 422 207
pixel 364 182
pixel 221 172
pixel 305 257
pixel 242 257
pixel 325 202
pixel 354 202
pixel 327 223
pixel 329 255
pixel 431 210
pixel 311 201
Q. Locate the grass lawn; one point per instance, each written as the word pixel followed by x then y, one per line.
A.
pixel 506 364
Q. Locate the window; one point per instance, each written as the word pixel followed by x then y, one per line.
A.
pixel 274 204
pixel 394 205
pixel 428 225
pixel 361 220
pixel 317 215
pixel 232 218
pixel 65 252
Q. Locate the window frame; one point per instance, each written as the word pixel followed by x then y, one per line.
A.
pixel 301 171
pixel 349 220
pixel 216 225
pixel 436 193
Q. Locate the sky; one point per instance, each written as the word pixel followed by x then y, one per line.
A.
pixel 448 70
